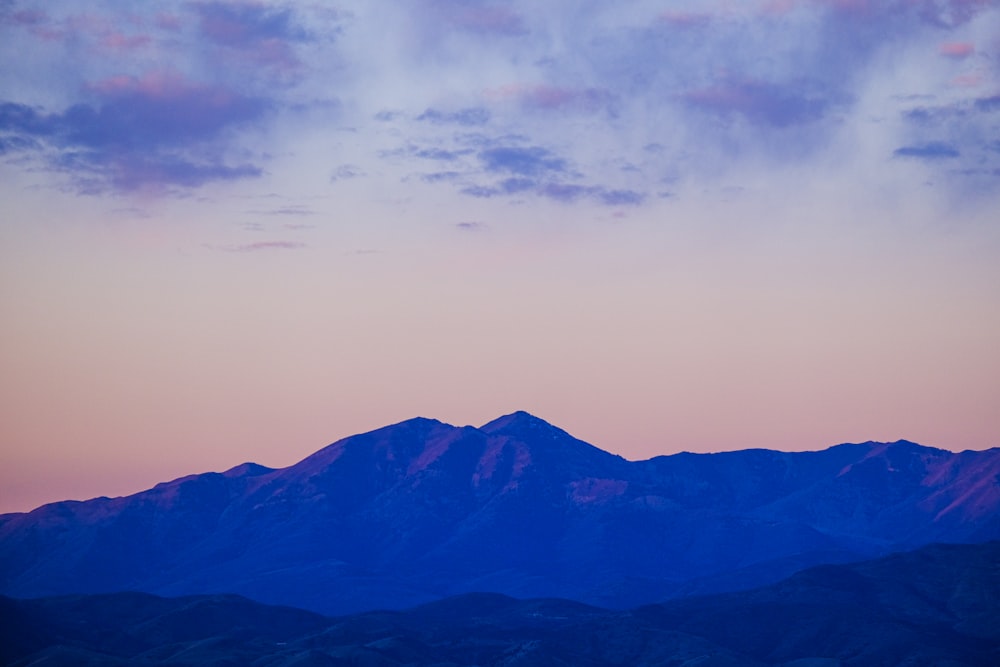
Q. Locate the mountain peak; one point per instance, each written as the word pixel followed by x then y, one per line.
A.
pixel 519 422
pixel 248 469
pixel 551 446
pixel 413 422
pixel 901 447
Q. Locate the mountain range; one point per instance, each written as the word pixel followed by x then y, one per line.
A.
pixel 421 510
pixel 939 605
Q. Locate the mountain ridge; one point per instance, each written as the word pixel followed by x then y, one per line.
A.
pixel 937 605
pixel 420 510
pixel 252 468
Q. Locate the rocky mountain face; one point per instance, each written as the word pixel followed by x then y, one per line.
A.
pixel 939 605
pixel 422 510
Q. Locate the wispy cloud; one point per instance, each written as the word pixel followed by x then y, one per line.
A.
pixel 760 102
pixel 262 34
pixel 295 211
pixel 929 151
pixel 440 176
pixel 988 103
pixel 440 154
pixel 956 50
pixel 563 192
pixel 12 16
pixel 686 19
pixel 551 97
pixel 467 117
pixel 262 246
pixel 621 197
pixel 529 161
pixel 16 143
pixel 484 19
pixel 346 172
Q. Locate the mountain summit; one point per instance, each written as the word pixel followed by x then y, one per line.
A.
pixel 521 422
pixel 420 510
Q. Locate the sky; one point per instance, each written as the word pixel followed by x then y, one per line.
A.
pixel 237 231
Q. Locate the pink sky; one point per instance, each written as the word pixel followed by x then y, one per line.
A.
pixel 239 232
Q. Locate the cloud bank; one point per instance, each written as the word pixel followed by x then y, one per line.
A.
pixel 516 99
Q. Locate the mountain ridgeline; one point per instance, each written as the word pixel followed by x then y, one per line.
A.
pixel 422 510
pixel 939 605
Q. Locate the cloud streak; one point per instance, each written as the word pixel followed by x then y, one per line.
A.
pixel 260 246
pixel 530 161
pixel 931 151
pixel 467 117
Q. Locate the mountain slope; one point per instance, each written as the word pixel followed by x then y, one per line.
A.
pixel 939 605
pixel 422 510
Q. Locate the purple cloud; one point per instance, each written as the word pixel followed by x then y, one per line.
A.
pixel 158 109
pixel 22 17
pixel 345 172
pixel 471 226
pixel 152 132
pixel 439 176
pixel 931 151
pixel 941 13
pixel 933 115
pixel 522 161
pixel 508 186
pixel 621 197
pixel 566 192
pixel 133 173
pixel 485 20
pixel 440 154
pixel 467 117
pixel 957 50
pixel 480 191
pixel 534 170
pixel 138 114
pixel 686 20
pixel 296 210
pixel 547 97
pixel 16 144
pixel 513 186
pixel 561 192
pixel 263 245
pixel 988 103
pixel 261 33
pixel 759 102
pixel 947 13
pixel 99 33
pixel 168 22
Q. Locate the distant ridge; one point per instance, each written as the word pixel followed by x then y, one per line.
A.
pixel 939 605
pixel 421 510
